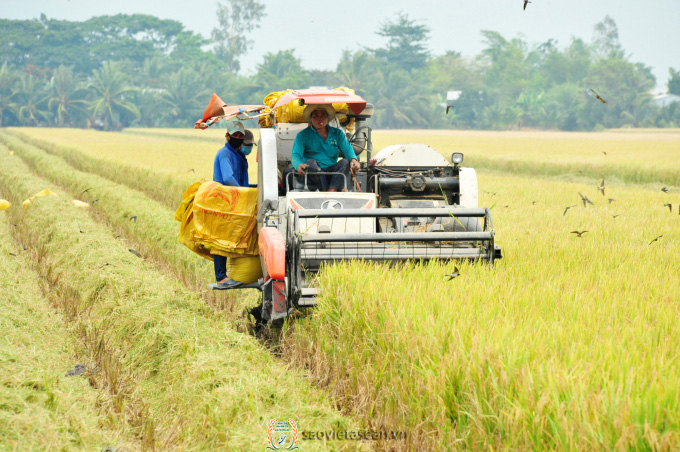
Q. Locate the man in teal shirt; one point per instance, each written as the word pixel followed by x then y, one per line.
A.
pixel 317 148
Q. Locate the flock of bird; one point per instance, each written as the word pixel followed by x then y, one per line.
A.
pixel 601 188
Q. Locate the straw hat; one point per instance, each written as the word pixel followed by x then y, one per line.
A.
pixel 313 107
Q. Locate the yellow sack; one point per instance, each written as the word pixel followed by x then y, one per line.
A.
pixel 225 216
pixel 294 111
pixel 185 215
pixel 218 219
pixel 45 192
pixel 245 269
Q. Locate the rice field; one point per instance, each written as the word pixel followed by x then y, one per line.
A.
pixel 568 343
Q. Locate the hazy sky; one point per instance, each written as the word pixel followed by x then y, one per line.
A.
pixel 318 31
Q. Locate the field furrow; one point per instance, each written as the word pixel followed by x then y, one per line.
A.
pixel 41 406
pixel 184 378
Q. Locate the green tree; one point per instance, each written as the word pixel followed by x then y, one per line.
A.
pixel 30 96
pixel 8 108
pixel 355 69
pixel 111 95
pixel 506 74
pixel 673 81
pixel 606 39
pixel 406 43
pixel 279 71
pixel 183 97
pixel 68 96
pixel 237 19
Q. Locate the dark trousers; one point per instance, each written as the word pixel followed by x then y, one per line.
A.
pixel 325 181
pixel 220 263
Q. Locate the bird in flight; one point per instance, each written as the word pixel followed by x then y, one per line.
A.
pixel 656 239
pixel 448 107
pixel 134 252
pixel 85 191
pixel 617 215
pixel 665 190
pixel 601 187
pixel 611 200
pixel 585 200
pixel 604 153
pixel 597 96
pixel 453 274
pixel 525 4
pixel 191 170
pixel 579 233
pixel 670 207
pixel 134 218
pixel 567 208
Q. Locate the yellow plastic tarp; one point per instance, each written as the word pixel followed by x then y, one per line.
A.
pixel 218 219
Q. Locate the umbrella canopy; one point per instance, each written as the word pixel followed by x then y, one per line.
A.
pixel 217 109
pixel 324 96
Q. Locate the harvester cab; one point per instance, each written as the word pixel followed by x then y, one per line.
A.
pixel 407 202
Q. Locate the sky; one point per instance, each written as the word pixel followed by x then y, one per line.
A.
pixel 319 31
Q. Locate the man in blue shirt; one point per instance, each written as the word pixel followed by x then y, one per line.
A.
pixel 317 148
pixel 231 168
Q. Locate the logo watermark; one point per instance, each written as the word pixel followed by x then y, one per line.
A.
pixel 282 435
pixel 357 435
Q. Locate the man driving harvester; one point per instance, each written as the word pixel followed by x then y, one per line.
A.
pixel 317 148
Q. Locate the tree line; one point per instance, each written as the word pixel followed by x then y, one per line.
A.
pixel 138 70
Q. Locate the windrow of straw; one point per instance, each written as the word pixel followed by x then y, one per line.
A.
pixel 177 374
pixel 147 224
pixel 566 344
pixel 41 407
pixel 157 183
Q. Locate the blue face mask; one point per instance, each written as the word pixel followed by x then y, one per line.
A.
pixel 246 149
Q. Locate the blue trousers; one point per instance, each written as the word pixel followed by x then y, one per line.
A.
pixel 325 181
pixel 220 263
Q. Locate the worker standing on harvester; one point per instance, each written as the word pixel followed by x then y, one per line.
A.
pixel 231 168
pixel 317 148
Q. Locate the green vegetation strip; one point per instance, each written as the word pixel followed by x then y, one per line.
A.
pixel 40 407
pixel 185 380
pixel 150 224
pixel 162 187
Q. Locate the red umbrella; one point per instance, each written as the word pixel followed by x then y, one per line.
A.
pixel 324 96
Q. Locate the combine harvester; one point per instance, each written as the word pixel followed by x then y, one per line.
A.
pixel 407 202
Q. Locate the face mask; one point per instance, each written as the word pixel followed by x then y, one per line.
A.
pixel 246 149
pixel 235 142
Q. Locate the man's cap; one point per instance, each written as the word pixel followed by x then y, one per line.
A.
pixel 236 126
pixel 249 139
pixel 313 107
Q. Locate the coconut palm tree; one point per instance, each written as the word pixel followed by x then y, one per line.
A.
pixel 184 96
pixel 68 95
pixel 8 80
pixel 30 96
pixel 109 87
